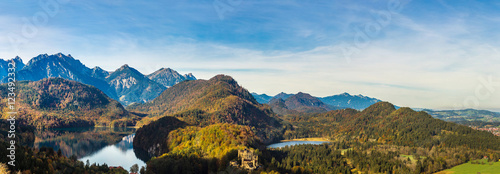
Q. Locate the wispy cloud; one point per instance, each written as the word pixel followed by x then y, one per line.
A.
pixel 430 55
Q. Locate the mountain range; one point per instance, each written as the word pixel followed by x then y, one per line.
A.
pixel 304 102
pixel 125 84
pixel 465 115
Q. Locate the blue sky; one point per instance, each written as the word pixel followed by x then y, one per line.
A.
pixel 433 54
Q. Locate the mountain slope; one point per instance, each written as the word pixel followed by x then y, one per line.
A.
pixel 56 102
pixel 133 87
pixel 169 77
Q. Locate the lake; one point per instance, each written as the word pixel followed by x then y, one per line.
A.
pixel 113 146
pixel 291 143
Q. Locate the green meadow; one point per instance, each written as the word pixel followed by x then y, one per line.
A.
pixel 469 168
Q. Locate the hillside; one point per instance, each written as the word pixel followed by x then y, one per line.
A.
pixel 131 86
pixel 56 102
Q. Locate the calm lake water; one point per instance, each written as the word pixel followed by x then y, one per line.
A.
pixel 291 143
pixel 113 146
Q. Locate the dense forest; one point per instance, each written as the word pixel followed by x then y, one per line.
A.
pixel 56 103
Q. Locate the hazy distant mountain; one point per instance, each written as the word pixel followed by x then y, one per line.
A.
pixel 169 77
pixel 127 85
pixel 465 115
pixel 261 98
pixel 346 100
pixel 283 95
pixel 133 87
pixel 299 103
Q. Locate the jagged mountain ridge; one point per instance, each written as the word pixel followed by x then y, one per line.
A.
pixel 67 67
pixel 60 65
pixel 4 65
pixel 131 86
pixel 169 77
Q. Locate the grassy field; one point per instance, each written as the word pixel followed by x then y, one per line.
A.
pixel 469 168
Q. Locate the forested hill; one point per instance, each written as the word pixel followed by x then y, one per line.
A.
pixel 56 102
pixel 381 122
pixel 206 102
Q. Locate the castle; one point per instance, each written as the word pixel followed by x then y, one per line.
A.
pixel 249 160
